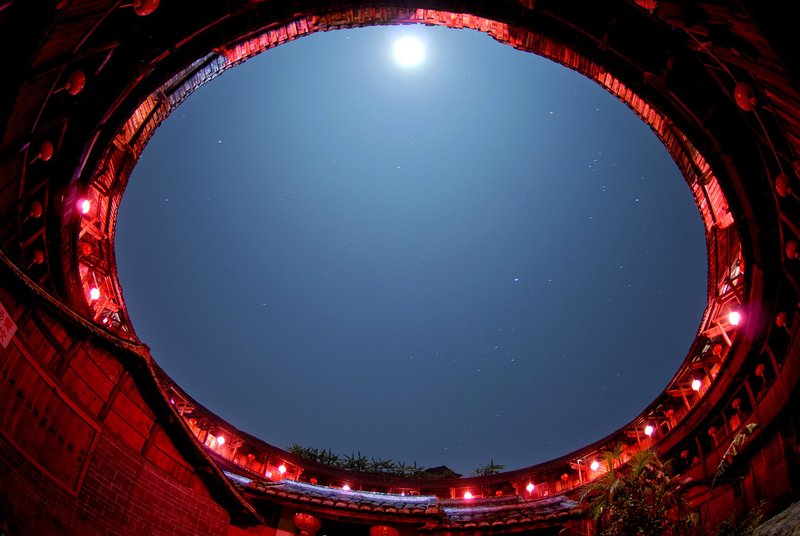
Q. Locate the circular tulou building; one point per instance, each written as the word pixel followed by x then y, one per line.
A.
pixel 96 439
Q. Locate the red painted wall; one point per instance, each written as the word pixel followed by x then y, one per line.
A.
pixel 80 450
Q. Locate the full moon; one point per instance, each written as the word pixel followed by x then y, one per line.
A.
pixel 408 51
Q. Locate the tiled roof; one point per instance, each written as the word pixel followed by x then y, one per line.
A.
pixel 324 496
pixel 494 513
pixel 440 514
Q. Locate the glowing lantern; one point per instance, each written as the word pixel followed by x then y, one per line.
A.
pixel 38 256
pixel 745 97
pixel 346 487
pixel 75 83
pixel 85 206
pixel 145 7
pixel 649 5
pixel 595 465
pixel 36 210
pixel 282 469
pixel 529 487
pixel 94 293
pixel 782 185
pixel 780 319
pixel 220 440
pixel 383 530
pixel 791 249
pixel 696 385
pixel 467 495
pixel 46 151
pixel 648 430
pixel 734 318
pixel 308 524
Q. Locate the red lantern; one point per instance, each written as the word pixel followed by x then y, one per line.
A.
pixel 649 5
pixel 36 210
pixel 760 369
pixel 308 524
pixel 383 530
pixel 716 349
pixel 791 249
pixel 745 97
pixel 38 256
pixel 75 83
pixel 145 7
pixel 780 319
pixel 46 150
pixel 782 185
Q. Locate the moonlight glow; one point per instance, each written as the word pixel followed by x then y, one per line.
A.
pixel 408 51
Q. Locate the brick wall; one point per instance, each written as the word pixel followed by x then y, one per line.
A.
pixel 81 451
pixel 121 494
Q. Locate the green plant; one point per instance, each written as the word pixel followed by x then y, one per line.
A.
pixel 640 498
pixel 730 454
pixel 745 527
pixel 490 468
pixel 357 462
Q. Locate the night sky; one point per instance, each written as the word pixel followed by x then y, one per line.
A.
pixel 485 256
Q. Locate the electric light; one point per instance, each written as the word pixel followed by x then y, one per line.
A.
pixel 648 430
pixel 467 495
pixel 529 487
pixel 346 487
pixel 94 293
pixel 734 318
pixel 220 440
pixel 85 205
pixel 696 385
pixel 595 465
pixel 282 469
